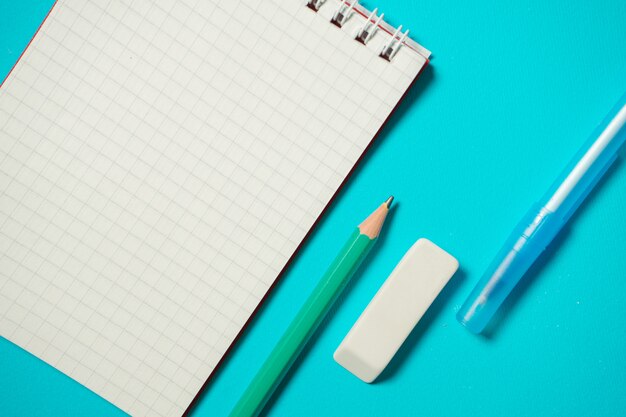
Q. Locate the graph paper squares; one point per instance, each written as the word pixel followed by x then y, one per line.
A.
pixel 159 164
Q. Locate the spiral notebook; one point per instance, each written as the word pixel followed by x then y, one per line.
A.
pixel 161 162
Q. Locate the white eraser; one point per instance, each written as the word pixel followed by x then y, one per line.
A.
pixel 395 310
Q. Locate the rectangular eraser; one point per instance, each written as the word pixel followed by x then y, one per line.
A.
pixel 395 310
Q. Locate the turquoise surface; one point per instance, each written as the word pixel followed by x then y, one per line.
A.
pixel 512 92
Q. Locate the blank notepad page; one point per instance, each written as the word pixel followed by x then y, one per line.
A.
pixel 160 162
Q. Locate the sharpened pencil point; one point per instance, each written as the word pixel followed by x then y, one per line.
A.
pixel 389 201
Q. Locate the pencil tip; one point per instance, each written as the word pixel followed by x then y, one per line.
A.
pixel 389 201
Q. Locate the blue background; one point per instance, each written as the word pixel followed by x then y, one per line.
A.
pixel 513 90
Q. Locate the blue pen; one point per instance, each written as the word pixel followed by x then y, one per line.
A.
pixel 544 220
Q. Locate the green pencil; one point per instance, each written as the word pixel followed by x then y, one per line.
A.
pixel 311 314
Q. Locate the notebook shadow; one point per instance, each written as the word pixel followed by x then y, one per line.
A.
pixel 417 89
pixel 536 270
pixel 409 346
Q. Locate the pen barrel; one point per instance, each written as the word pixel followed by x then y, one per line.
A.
pixel 589 164
pixel 304 325
pixel 525 244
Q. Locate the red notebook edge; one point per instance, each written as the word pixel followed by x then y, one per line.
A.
pixel 29 43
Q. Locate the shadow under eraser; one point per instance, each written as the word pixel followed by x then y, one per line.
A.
pixel 396 308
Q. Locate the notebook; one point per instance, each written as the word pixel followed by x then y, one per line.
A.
pixel 161 162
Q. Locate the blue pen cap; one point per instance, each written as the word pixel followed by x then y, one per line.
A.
pixel 529 238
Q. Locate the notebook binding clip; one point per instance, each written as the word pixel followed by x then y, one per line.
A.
pixel 314 4
pixel 343 12
pixel 369 28
pixel 391 48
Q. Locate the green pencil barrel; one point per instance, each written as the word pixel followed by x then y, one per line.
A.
pixel 303 326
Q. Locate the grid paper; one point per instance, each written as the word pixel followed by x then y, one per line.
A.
pixel 160 162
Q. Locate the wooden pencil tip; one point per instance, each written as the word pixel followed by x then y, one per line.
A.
pixel 372 225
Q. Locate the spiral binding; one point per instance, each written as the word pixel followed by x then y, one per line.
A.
pixel 368 29
pixel 343 12
pixel 390 49
pixel 314 4
pixel 365 33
